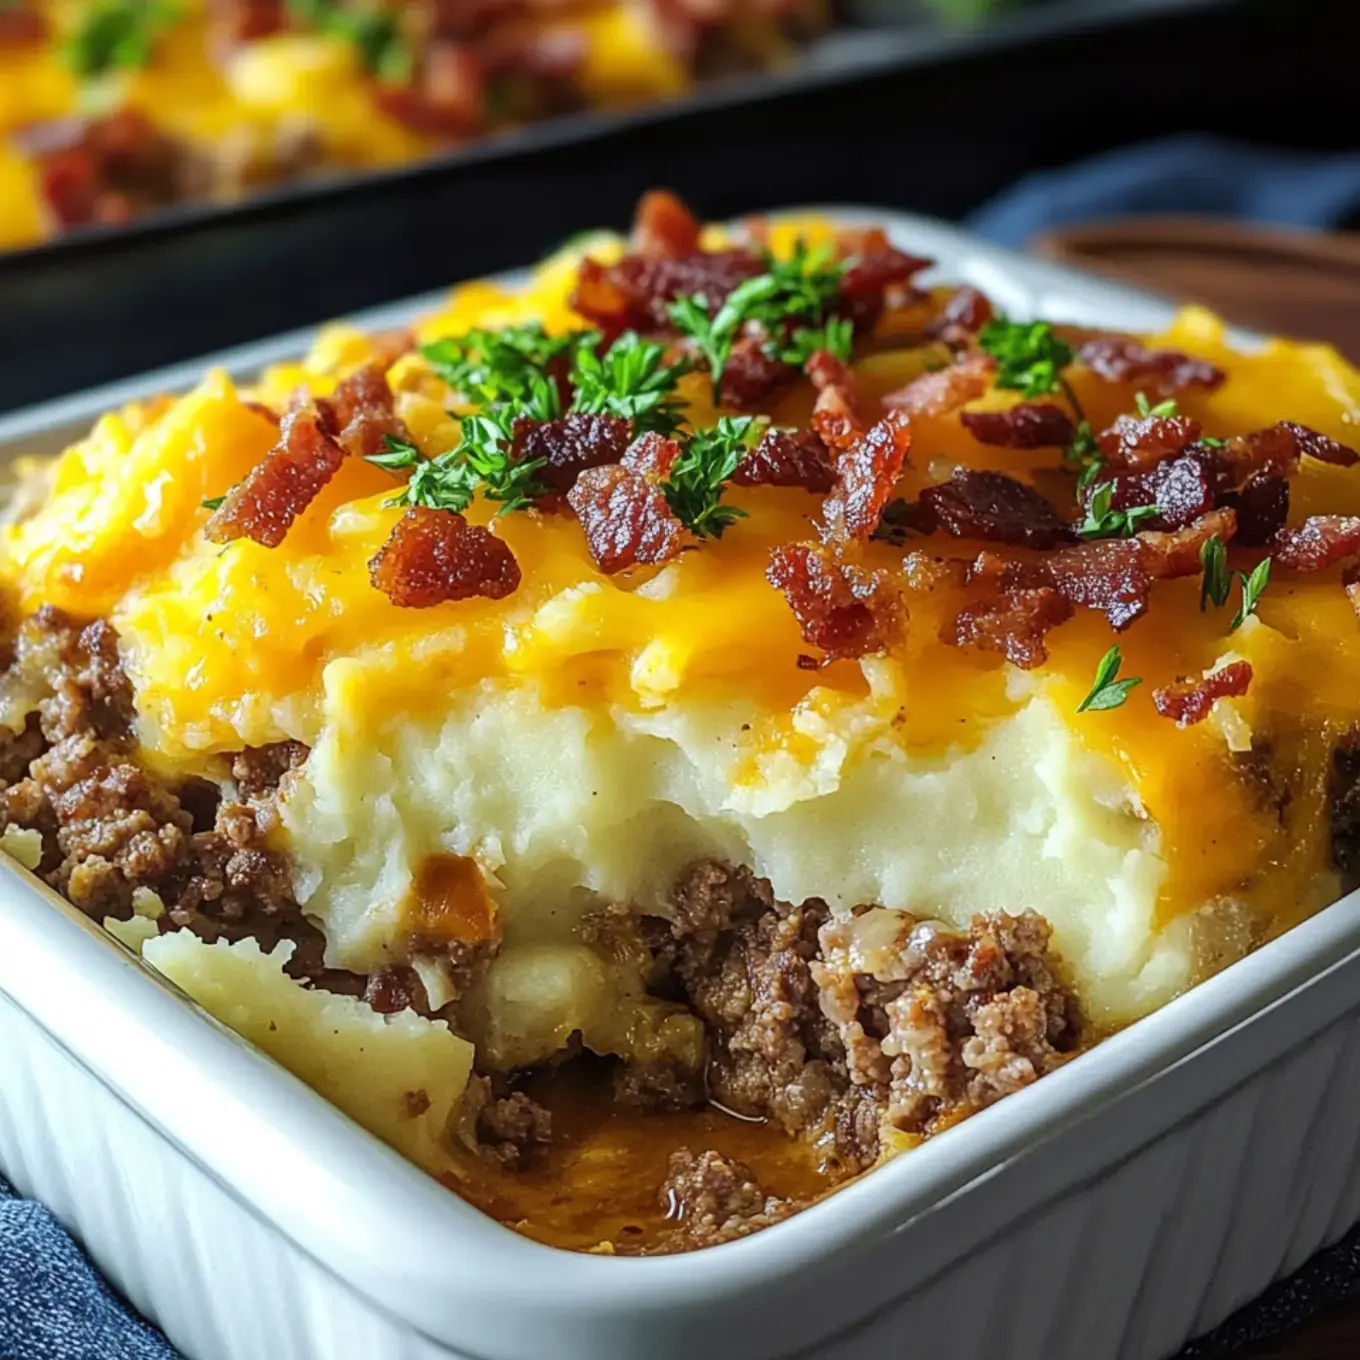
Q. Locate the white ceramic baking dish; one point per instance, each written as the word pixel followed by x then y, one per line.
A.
pixel 1122 1205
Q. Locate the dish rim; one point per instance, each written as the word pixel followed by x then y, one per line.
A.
pixel 346 1200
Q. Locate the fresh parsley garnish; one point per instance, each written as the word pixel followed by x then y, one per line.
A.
pixel 111 35
pixel 482 461
pixel 1107 692
pixel 1029 356
pixel 837 337
pixel 373 29
pixel 504 367
pixel 1252 588
pixel 212 502
pixel 1217 582
pixel 1164 410
pixel 694 486
pixel 1083 456
pixel 632 380
pixel 1210 442
pixel 802 288
pixel 1103 522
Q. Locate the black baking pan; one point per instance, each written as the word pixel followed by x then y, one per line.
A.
pixel 924 119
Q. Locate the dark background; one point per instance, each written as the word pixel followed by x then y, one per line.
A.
pixel 935 129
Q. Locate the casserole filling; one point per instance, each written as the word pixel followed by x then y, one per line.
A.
pixel 657 744
pixel 110 109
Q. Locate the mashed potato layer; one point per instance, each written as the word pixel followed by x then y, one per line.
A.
pixel 568 808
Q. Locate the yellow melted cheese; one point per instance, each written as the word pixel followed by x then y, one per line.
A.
pixel 229 647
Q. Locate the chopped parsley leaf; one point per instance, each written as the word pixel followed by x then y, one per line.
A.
pixel 1164 410
pixel 373 29
pixel 802 288
pixel 1029 356
pixel 1083 456
pixel 694 486
pixel 1103 522
pixel 837 337
pixel 632 380
pixel 115 34
pixel 501 367
pixel 1217 583
pixel 212 502
pixel 1107 692
pixel 1253 587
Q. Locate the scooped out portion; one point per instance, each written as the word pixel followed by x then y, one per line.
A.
pixel 654 745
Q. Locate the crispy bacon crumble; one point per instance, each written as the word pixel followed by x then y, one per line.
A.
pixel 275 492
pixel 435 556
pixel 1190 701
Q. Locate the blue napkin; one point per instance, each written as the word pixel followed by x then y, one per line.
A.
pixel 1188 174
pixel 53 1304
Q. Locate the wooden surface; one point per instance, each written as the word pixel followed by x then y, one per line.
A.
pixel 1285 282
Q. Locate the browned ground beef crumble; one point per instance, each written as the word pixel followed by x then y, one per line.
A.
pixel 946 1023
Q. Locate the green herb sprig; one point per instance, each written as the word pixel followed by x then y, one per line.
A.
pixel 1103 522
pixel 1083 455
pixel 506 367
pixel 1217 583
pixel 1164 410
pixel 1253 587
pixel 632 380
pixel 804 287
pixel 115 35
pixel 373 29
pixel 1029 357
pixel 1107 692
pixel 694 486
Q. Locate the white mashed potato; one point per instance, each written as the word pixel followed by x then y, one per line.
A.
pixel 565 808
pixel 400 1076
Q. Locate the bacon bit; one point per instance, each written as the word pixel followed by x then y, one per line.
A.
pixel 573 443
pixel 963 315
pixel 751 375
pixel 362 413
pixel 625 518
pixel 1279 448
pixel 1115 575
pixel 995 507
pixel 879 268
pixel 1013 624
pixel 1350 579
pixel 278 489
pixel 1262 506
pixel 1031 425
pixel 1191 701
pixel 448 98
pixel 634 293
pixel 1167 555
pixel 664 227
pixel 785 458
pixel 268 412
pixel 651 455
pixel 1140 442
pixel 866 474
pixel 1317 543
pixel 1179 487
pixel 391 345
pixel 936 394
pixel 835 416
pixel 21 26
pixel 1320 446
pixel 436 556
pixel 1107 575
pixel 841 608
pixel 1121 359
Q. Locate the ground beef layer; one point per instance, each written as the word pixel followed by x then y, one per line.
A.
pixel 837 1032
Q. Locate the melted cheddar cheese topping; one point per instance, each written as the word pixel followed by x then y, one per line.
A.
pixel 242 645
